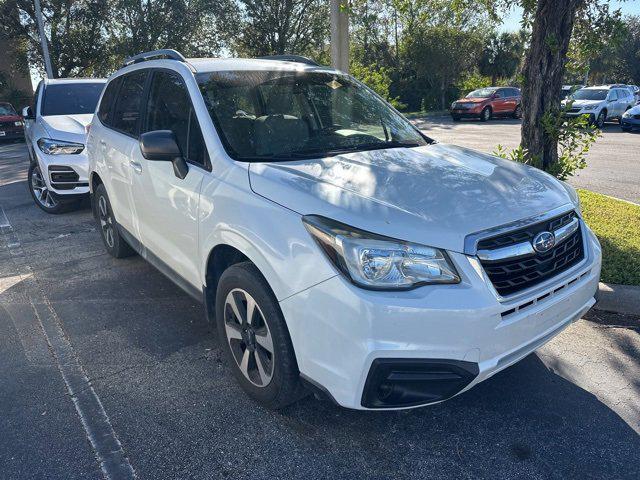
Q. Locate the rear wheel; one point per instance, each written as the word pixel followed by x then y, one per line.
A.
pixel 517 113
pixel 255 338
pixel 45 198
pixel 485 116
pixel 113 241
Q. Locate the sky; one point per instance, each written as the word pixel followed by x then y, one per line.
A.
pixel 512 21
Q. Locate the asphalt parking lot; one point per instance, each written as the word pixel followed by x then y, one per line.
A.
pixel 613 164
pixel 118 332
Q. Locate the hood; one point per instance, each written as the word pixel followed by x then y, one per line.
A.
pixel 67 127
pixel 434 195
pixel 474 100
pixel 10 118
pixel 584 103
pixel 634 110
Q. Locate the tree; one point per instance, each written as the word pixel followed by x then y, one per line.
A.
pixel 78 42
pixel 275 27
pixel 501 56
pixel 544 68
pixel 439 55
pixel 193 27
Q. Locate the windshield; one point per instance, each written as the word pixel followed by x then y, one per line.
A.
pixel 590 94
pixel 278 115
pixel 71 98
pixel 482 93
pixel 6 109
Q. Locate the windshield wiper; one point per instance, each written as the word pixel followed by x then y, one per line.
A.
pixel 356 148
pixel 328 152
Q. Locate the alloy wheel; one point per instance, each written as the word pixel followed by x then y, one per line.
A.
pixel 486 114
pixel 106 221
pixel 600 120
pixel 40 189
pixel 249 337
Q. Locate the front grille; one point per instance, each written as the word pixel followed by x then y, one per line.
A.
pixel 574 110
pixel 510 276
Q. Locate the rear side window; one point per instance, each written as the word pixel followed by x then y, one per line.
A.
pixel 126 111
pixel 169 108
pixel 106 104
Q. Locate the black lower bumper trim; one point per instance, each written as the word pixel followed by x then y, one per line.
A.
pixel 403 382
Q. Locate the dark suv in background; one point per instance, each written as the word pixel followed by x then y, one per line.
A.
pixel 488 102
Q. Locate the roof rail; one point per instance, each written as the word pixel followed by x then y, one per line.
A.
pixel 167 53
pixel 291 58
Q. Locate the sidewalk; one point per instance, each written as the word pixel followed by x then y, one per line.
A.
pixel 619 299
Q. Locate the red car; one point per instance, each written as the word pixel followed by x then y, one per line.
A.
pixel 11 124
pixel 488 102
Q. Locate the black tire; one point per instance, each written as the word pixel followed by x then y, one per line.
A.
pixel 517 113
pixel 486 114
pixel 602 117
pixel 107 225
pixel 284 386
pixel 43 197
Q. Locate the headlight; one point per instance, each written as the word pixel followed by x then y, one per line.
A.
pixel 626 114
pixel 377 262
pixel 59 147
pixel 590 107
pixel 18 123
pixel 453 105
pixel 575 199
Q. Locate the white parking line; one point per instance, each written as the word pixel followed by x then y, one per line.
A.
pixel 94 418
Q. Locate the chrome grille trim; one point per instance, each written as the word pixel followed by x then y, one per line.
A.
pixel 525 249
pixel 471 241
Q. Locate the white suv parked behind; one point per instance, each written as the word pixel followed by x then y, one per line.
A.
pixel 55 134
pixel 335 246
pixel 601 104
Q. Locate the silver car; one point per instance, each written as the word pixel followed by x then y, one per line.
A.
pixel 55 133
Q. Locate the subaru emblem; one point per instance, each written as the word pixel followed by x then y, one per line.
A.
pixel 543 242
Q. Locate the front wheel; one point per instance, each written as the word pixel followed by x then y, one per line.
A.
pixel 45 198
pixel 602 116
pixel 255 337
pixel 485 116
pixel 113 241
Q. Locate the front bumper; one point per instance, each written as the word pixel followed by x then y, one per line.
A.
pixel 65 175
pixel 16 133
pixel 338 330
pixel 466 113
pixel 630 123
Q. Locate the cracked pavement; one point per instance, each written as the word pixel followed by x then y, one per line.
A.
pixel 571 410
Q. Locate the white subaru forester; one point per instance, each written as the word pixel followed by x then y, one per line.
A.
pixel 336 247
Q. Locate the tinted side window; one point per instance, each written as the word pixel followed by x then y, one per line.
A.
pixel 127 108
pixel 169 108
pixel 106 104
pixel 613 95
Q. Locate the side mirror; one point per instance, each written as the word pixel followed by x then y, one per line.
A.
pixel 27 113
pixel 161 146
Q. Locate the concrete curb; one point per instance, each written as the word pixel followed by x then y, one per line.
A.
pixel 619 299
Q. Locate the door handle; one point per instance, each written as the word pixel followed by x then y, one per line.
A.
pixel 136 166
